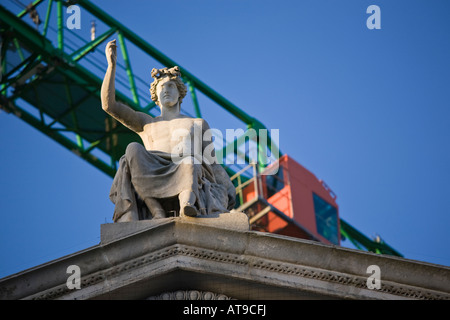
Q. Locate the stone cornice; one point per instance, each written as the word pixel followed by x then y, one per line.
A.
pixel 178 255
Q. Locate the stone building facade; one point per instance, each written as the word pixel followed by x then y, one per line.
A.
pixel 199 259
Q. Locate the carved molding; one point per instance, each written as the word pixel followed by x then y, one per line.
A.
pixel 189 295
pixel 277 267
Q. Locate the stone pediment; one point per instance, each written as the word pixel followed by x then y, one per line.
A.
pixel 181 258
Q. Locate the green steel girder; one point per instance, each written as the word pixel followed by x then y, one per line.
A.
pixel 90 46
pixel 57 61
pixel 58 53
pixel 363 242
pixel 33 5
pixel 162 58
pixel 193 81
pixel 47 17
pixel 9 106
pixel 198 113
pixel 126 58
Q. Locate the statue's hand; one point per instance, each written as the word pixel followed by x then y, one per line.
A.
pixel 110 52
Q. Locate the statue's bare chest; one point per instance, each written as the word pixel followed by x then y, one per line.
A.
pixel 166 135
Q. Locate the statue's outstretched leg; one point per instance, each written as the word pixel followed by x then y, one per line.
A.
pixel 187 200
pixel 155 208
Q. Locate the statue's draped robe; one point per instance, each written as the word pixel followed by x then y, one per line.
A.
pixel 144 173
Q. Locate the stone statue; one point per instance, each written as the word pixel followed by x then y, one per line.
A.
pixel 175 170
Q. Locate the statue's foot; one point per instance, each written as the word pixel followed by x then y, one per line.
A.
pixel 155 208
pixel 158 214
pixel 188 210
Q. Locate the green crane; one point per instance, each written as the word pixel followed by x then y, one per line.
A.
pixel 51 78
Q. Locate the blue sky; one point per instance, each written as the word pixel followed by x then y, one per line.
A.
pixel 365 110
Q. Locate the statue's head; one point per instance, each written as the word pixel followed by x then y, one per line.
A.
pixel 164 77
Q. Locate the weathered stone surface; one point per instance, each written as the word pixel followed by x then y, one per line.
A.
pixel 181 256
pixel 189 295
pixel 229 220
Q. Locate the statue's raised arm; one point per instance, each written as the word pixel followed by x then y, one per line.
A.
pixel 165 176
pixel 124 114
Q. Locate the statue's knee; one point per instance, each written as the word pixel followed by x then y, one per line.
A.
pixel 134 149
